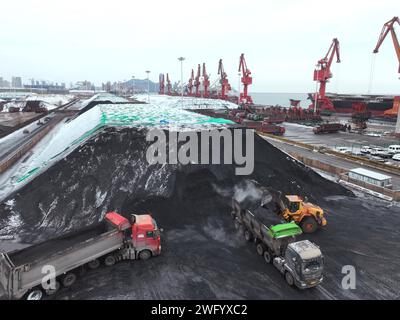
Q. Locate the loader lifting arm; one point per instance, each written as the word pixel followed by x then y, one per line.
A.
pixel 389 27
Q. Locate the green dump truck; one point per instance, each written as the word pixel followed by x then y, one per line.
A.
pixel 301 262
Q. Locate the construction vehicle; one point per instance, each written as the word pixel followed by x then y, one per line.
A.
pixel 328 128
pixel 300 262
pixel 225 86
pixel 162 85
pixel 292 208
pixel 246 79
pixel 322 75
pixel 206 82
pixel 389 27
pixel 21 272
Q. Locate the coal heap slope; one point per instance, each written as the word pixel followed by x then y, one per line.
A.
pixel 110 171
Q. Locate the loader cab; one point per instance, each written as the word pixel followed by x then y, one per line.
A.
pixel 293 203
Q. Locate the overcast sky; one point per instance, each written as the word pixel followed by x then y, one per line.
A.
pixel 282 40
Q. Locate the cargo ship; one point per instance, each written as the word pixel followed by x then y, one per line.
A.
pixel 378 105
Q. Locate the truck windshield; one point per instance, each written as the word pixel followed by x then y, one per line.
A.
pixel 311 266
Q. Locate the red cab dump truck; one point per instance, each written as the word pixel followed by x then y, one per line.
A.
pixel 22 272
pixel 328 128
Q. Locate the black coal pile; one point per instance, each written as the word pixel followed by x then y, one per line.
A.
pixel 110 172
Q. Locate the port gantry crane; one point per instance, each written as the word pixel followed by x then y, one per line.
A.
pixel 162 85
pixel 389 27
pixel 323 73
pixel 197 82
pixel 206 82
pixel 225 86
pixel 168 85
pixel 190 84
pixel 246 79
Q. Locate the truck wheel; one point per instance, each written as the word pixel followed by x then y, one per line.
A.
pixel 144 255
pixel 289 278
pixel 247 235
pixel 260 249
pixel 68 280
pixel 267 256
pixel 34 294
pixel 109 260
pixel 309 225
pixel 94 264
pixel 50 292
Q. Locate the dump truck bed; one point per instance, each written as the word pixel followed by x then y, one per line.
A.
pixel 47 249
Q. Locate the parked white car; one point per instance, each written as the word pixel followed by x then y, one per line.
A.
pixel 394 149
pixel 396 157
pixel 365 149
pixel 343 150
pixel 380 152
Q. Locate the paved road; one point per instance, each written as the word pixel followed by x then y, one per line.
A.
pixel 342 139
pixel 329 159
pixel 12 144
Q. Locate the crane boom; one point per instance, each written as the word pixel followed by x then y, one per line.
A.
pixel 168 85
pixel 206 81
pixel 225 86
pixel 190 83
pixel 162 86
pixel 389 27
pixel 323 73
pixel 197 81
pixel 246 81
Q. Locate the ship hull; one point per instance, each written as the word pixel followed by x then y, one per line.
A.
pixel 343 103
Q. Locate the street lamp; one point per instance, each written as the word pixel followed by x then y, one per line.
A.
pixel 181 59
pixel 148 85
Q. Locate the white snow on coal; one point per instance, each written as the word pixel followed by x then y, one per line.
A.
pixel 72 133
pixel 185 102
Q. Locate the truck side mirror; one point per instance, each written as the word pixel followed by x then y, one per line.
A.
pixel 133 218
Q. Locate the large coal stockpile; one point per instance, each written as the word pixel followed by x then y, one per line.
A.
pixel 110 172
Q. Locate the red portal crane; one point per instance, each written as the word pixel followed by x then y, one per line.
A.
pixel 162 85
pixel 389 27
pixel 197 82
pixel 246 81
pixel 206 81
pixel 190 83
pixel 168 85
pixel 323 73
pixel 225 86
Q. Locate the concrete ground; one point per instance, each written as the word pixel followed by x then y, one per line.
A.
pixel 329 159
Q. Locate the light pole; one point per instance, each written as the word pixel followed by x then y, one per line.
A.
pixel 181 59
pixel 148 85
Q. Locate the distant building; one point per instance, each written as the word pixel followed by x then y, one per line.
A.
pixel 16 82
